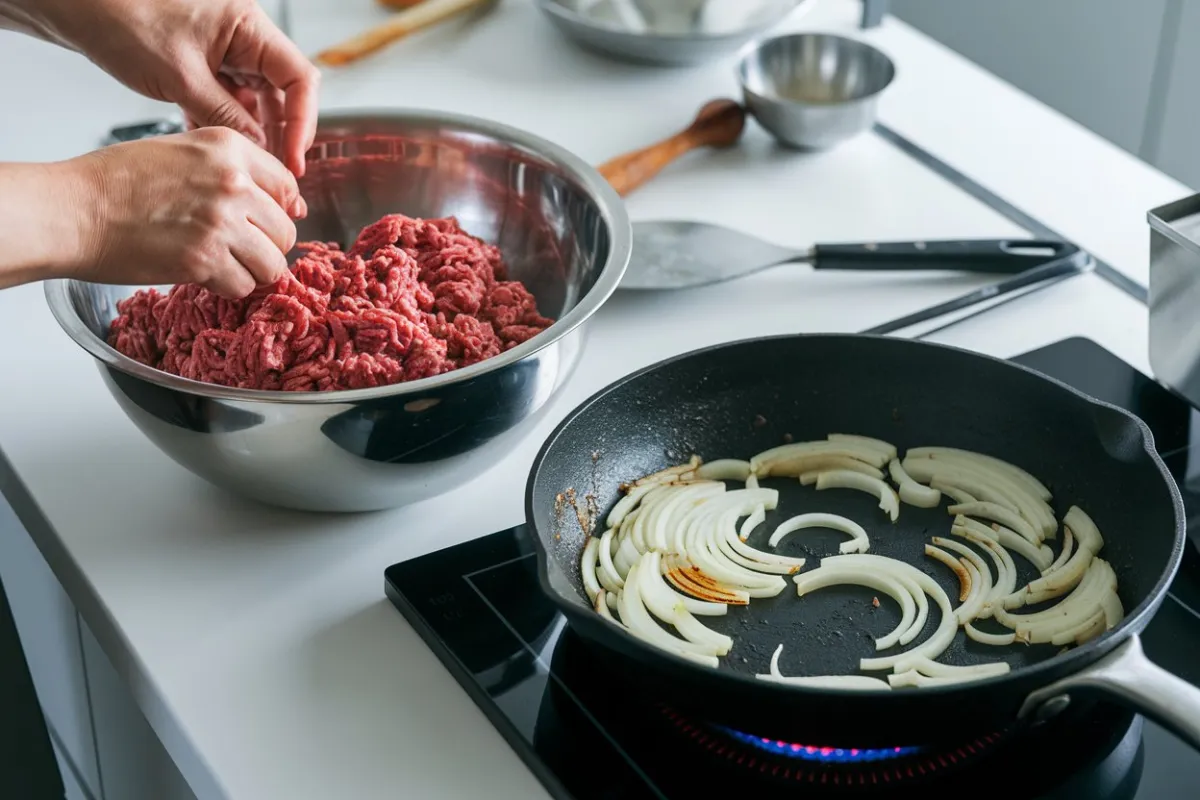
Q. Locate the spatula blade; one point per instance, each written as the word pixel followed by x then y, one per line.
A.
pixel 680 255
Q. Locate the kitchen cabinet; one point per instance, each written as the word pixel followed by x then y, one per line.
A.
pixel 1101 62
pixel 106 749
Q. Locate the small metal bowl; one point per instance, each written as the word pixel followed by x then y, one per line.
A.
pixel 812 91
pixel 677 33
pixel 563 231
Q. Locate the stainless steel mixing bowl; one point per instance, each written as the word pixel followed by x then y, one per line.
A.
pixel 814 90
pixel 675 33
pixel 564 233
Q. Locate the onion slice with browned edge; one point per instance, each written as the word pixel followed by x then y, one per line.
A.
pixel 670 607
pixel 1006 570
pixel 819 681
pixel 859 543
pixel 965 582
pixel 639 622
pixel 824 577
pixel 844 479
pixel 982 587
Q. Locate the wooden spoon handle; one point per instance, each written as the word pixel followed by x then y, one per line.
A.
pixel 404 23
pixel 719 124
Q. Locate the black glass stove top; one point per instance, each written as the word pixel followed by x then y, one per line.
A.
pixel 478 606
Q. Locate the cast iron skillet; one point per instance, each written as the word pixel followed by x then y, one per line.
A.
pixel 735 400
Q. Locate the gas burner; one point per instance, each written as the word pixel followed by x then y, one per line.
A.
pixel 829 766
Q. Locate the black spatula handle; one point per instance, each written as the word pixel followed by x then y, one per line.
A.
pixel 996 256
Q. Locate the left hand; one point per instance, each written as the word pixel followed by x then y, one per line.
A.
pixel 224 62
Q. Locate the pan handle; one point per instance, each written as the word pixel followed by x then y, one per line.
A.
pixel 1128 676
pixel 989 256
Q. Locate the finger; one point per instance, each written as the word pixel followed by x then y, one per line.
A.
pixel 232 280
pixel 274 178
pixel 286 68
pixel 271 114
pixel 258 255
pixel 245 95
pixel 266 215
pixel 209 103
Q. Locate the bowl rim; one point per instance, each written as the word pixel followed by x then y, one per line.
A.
pixel 556 9
pixel 757 46
pixel 609 204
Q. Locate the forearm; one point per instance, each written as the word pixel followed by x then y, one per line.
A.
pixel 33 17
pixel 41 215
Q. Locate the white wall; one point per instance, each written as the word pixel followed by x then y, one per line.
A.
pixel 1124 68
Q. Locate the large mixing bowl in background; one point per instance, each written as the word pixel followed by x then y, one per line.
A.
pixel 560 226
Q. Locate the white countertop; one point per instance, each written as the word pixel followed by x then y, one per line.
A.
pixel 258 641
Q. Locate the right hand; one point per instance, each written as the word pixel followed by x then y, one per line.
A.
pixel 206 207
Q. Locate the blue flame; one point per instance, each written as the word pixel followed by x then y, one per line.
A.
pixel 824 755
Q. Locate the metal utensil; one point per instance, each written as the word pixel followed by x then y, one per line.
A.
pixel 814 90
pixel 679 33
pixel 566 235
pixel 679 255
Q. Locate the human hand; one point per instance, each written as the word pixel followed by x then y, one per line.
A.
pixel 222 61
pixel 204 207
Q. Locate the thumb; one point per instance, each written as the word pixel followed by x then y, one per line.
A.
pixel 209 104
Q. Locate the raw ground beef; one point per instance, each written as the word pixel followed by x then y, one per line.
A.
pixel 412 298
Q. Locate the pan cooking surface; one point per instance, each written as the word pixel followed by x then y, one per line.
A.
pixel 738 400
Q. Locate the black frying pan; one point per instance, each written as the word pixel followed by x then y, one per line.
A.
pixel 735 400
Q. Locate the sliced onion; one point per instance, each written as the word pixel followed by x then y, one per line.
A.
pixel 1068 543
pixel 702 549
pixel 601 607
pixel 672 609
pixel 1086 532
pixel 870 564
pixel 627 504
pixel 819 681
pixel 607 573
pixel 784 460
pixel 752 482
pixel 1078 607
pixel 1032 484
pixel 955 493
pixel 933 669
pixel 1114 612
pixel 1019 544
pixel 995 639
pixel 914 679
pixel 1006 570
pixel 1057 583
pixel 767 562
pixel 965 582
pixel 883 448
pixel 811 469
pixel 1089 629
pixel 977 490
pixel 859 543
pixel 912 492
pixel 988 486
pixel 591 584
pixel 690 580
pixel 642 625
pixel 1001 515
pixel 751 522
pixel 844 479
pixel 653 588
pixel 982 585
pixel 666 517
pixel 725 469
pixel 669 474
pixel 823 577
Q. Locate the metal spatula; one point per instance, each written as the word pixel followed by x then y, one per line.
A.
pixel 679 255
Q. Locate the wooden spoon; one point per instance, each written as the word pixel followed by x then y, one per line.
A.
pixel 719 124
pixel 416 17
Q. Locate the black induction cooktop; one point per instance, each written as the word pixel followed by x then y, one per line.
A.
pixel 478 606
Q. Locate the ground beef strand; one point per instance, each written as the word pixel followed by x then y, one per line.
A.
pixel 412 298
